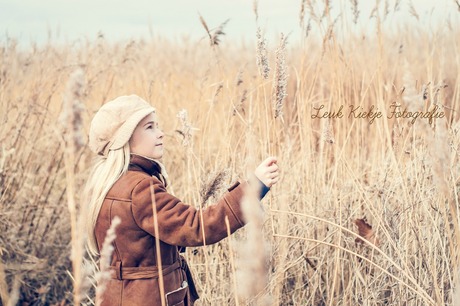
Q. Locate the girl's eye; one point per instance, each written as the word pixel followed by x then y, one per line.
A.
pixel 152 126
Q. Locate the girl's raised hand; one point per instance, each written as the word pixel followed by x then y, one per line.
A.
pixel 268 172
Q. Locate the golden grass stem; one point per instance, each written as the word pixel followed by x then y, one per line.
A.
pixel 374 247
pixel 158 247
pixel 4 295
pixel 232 262
pixel 417 290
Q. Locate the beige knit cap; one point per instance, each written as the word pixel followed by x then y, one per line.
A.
pixel 114 123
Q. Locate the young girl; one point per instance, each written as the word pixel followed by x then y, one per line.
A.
pixel 128 182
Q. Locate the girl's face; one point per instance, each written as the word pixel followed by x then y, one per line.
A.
pixel 147 139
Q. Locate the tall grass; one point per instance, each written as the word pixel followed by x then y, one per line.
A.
pixel 402 177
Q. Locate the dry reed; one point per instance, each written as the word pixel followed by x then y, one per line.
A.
pixel 262 55
pixel 71 118
pixel 157 247
pixel 214 185
pixel 252 272
pixel 355 11
pixel 280 78
pixel 252 268
pixel 186 128
pixel 103 275
pixel 255 9
pixel 4 294
pixel 412 206
pixel 214 34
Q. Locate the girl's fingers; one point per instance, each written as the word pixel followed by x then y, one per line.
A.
pixel 269 161
pixel 273 181
pixel 268 171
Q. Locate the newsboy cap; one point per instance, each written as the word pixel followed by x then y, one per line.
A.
pixel 114 123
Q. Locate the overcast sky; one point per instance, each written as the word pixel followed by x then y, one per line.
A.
pixel 69 20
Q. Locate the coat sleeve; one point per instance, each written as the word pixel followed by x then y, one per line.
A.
pixel 181 224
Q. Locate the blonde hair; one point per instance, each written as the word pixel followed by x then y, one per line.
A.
pixel 104 174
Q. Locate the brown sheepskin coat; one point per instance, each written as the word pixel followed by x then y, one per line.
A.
pixel 134 263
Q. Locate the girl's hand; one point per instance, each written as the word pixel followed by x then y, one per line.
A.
pixel 267 172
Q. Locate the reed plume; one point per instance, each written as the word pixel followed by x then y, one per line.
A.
pixel 355 11
pixel 327 134
pixel 280 78
pixel 413 11
pixel 71 118
pixel 239 107
pixel 411 97
pixel 214 34
pixel 396 6
pixel 214 185
pixel 103 276
pixel 72 109
pixel 186 128
pixel 262 57
pixel 302 13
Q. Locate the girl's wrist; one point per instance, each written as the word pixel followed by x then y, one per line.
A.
pixel 261 188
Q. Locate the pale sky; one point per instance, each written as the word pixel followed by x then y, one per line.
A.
pixel 70 20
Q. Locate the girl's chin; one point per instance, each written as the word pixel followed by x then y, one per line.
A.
pixel 157 155
pixel 154 156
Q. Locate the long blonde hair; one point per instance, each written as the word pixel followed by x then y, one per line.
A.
pixel 105 173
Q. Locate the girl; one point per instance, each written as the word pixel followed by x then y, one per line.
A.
pixel 128 182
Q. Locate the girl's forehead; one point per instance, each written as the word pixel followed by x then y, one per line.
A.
pixel 150 117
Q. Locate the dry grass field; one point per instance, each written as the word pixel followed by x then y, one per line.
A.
pixel 367 208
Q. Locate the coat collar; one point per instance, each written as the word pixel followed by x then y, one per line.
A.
pixel 142 163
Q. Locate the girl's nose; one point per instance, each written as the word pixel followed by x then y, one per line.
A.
pixel 161 134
